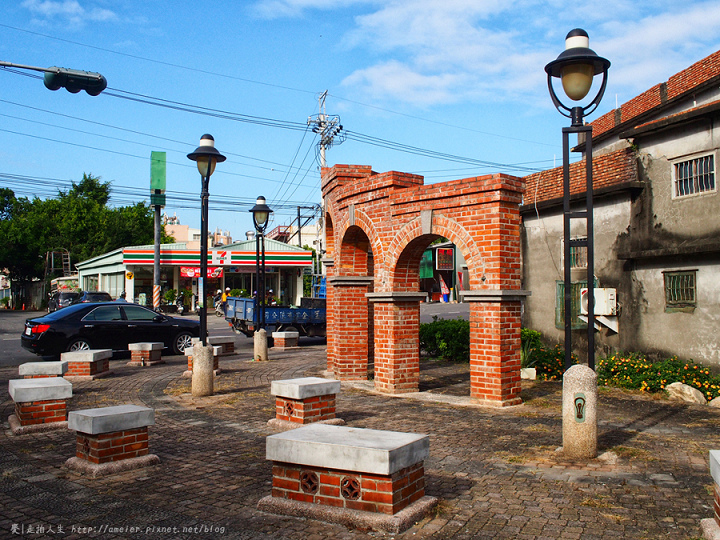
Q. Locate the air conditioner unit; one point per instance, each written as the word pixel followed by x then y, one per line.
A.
pixel 605 301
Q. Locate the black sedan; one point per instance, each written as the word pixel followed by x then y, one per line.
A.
pixel 106 325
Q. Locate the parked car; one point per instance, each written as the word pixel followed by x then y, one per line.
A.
pixel 60 300
pixel 94 296
pixel 105 325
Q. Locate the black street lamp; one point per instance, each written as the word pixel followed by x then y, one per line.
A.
pixel 261 213
pixel 576 66
pixel 206 157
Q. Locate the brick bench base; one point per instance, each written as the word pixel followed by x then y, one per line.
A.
pixel 302 401
pixel 40 404
pixel 145 354
pixel 111 439
pixel 358 477
pixel 87 365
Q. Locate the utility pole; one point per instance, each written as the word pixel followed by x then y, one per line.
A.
pixel 328 127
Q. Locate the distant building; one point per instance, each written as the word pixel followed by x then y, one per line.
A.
pixel 191 237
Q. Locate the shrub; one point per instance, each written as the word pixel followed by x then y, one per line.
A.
pixel 446 338
pixel 635 372
pixel 239 293
pixel 549 363
pixel 170 296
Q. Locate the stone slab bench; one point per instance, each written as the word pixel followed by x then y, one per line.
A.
pixel 40 404
pixel 111 439
pixel 146 354
pixel 87 365
pixel 303 401
pixel 39 370
pixel 227 344
pixel 285 340
pixel 711 526
pixel 358 477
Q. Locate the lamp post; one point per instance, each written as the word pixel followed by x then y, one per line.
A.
pixel 261 213
pixel 576 67
pixel 206 157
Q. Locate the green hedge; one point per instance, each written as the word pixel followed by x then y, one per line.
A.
pixel 446 338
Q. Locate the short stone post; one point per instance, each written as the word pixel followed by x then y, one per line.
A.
pixel 202 373
pixel 579 412
pixel 261 345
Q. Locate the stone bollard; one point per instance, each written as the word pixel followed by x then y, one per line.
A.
pixel 261 345
pixel 579 412
pixel 202 373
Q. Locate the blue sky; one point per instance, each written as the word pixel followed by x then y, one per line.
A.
pixel 458 77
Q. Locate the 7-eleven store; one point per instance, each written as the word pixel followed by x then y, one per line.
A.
pixel 130 269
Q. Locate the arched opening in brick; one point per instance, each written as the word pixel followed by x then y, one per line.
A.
pixel 329 236
pixel 353 276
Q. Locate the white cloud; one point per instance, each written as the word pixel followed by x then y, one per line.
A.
pixel 69 11
pixel 276 9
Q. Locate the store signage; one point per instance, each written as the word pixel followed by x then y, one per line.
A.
pixel 192 272
pixel 444 259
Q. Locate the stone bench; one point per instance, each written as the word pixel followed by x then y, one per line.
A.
pixel 87 365
pixel 358 477
pixel 146 354
pixel 40 404
pixel 39 370
pixel 111 439
pixel 303 401
pixel 711 526
pixel 285 340
pixel 216 361
pixel 227 344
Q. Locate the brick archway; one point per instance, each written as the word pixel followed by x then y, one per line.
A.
pixel 377 227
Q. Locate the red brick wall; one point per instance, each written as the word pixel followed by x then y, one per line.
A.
pixel 347 489
pixel 382 214
pixel 397 360
pixel 141 357
pixel 108 447
pixel 41 412
pixel 495 352
pixel 305 411
pixel 78 369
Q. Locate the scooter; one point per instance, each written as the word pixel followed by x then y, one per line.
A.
pixel 180 304
pixel 219 309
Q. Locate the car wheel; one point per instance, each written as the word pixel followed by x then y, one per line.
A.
pixel 79 345
pixel 182 341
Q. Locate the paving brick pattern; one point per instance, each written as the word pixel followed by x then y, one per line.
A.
pixel 495 471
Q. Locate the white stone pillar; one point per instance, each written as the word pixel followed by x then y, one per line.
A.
pixel 579 412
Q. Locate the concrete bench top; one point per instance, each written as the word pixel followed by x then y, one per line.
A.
pixel 715 465
pixel 350 449
pixel 28 390
pixel 217 349
pixel 110 419
pixel 92 355
pixel 285 335
pixel 148 346
pixel 43 368
pixel 304 387
pixel 220 340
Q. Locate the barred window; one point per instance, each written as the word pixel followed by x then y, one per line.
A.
pixel 694 176
pixel 680 290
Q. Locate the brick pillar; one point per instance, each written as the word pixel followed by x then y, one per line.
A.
pixel 350 326
pixel 495 345
pixel 397 347
pixel 329 314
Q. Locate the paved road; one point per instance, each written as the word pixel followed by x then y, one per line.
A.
pixel 13 322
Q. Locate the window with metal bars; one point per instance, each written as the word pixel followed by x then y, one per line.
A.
pixel 680 291
pixel 694 176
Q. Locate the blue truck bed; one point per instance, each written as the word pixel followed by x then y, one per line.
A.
pixel 242 316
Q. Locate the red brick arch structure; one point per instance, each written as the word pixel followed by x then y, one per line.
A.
pixel 377 227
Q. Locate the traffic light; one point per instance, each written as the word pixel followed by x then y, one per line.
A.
pixel 74 80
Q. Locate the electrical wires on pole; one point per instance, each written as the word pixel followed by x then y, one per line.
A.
pixel 328 127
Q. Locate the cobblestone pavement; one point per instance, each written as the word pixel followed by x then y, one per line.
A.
pixel 496 472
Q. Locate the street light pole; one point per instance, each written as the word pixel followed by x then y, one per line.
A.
pixel 261 214
pixel 206 157
pixel 576 66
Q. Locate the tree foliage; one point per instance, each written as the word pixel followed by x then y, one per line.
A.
pixel 78 220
